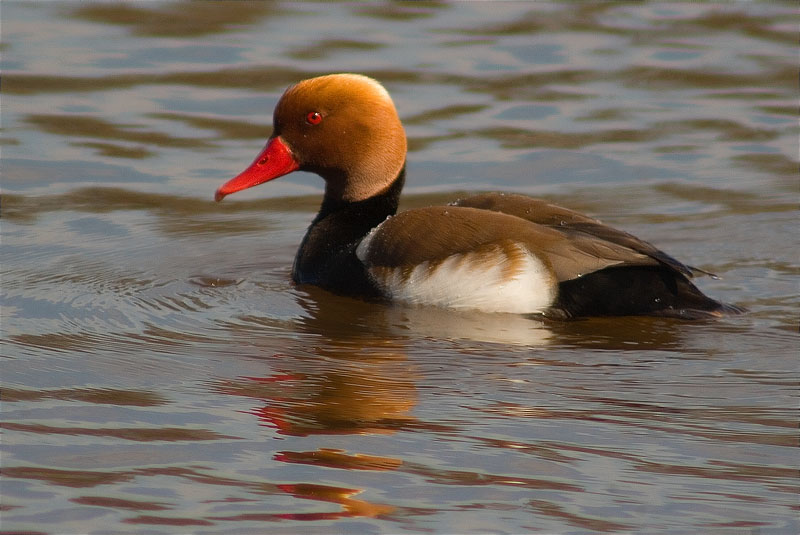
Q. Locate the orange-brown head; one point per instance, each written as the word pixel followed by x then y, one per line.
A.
pixel 344 127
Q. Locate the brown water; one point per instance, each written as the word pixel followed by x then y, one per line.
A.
pixel 162 375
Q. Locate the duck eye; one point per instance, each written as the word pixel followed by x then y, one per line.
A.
pixel 314 117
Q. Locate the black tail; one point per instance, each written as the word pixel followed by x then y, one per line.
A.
pixel 637 291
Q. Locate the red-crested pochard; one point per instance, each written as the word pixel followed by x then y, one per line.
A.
pixel 492 252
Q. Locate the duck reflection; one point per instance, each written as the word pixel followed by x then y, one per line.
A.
pixel 346 317
pixel 335 458
pixel 349 370
pixel 343 496
pixel 331 458
pixel 344 368
pixel 337 375
pixel 349 393
pixel 345 376
pixel 342 318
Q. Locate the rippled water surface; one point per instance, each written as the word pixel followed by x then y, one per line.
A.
pixel 161 374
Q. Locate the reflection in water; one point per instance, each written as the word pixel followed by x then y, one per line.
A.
pixel 358 379
pixel 333 458
pixel 113 396
pixel 355 321
pixel 350 507
pixel 366 384
pixel 342 496
pixel 364 395
pixel 118 503
pixel 204 17
pixel 68 478
pixel 160 434
pixel 443 324
pixel 355 385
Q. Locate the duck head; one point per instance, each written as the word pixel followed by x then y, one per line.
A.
pixel 343 127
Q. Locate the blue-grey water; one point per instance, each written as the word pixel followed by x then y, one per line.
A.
pixel 161 374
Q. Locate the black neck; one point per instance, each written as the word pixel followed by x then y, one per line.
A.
pixel 327 256
pixel 374 209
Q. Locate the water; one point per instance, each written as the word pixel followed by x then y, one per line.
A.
pixel 161 374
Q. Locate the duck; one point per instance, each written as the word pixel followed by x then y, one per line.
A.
pixel 492 252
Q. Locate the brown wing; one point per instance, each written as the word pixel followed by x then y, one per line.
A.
pixel 433 234
pixel 572 224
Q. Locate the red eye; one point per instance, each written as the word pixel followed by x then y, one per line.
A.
pixel 314 117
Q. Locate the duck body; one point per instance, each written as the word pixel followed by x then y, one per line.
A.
pixel 492 252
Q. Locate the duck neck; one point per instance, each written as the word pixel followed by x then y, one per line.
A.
pixel 327 254
pixel 371 210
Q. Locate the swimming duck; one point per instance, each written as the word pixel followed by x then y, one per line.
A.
pixel 492 252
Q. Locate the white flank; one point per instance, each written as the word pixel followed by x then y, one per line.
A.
pixel 464 281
